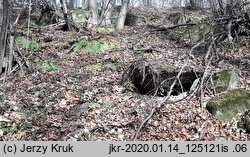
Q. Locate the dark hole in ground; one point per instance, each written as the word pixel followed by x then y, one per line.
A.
pixel 179 88
pixel 149 80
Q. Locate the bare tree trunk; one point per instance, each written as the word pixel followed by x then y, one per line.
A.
pixel 221 6
pixel 3 33
pixel 106 12
pixel 85 4
pixel 1 12
pixel 214 6
pixel 162 3
pixel 147 2
pixel 122 14
pixel 195 4
pixel 93 21
pixel 67 16
pixel 192 3
pixel 71 4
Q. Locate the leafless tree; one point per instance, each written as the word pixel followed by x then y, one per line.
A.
pixel 85 4
pixel 93 21
pixel 67 16
pixel 3 34
pixel 147 2
pixel 1 7
pixel 105 18
pixel 122 14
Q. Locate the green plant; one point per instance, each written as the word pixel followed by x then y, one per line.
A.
pixel 70 38
pixel 50 66
pixel 79 45
pixel 96 67
pixel 4 107
pixel 105 30
pixel 57 97
pixel 9 126
pixel 114 65
pixel 26 43
pixel 98 45
pixel 94 105
pixel 102 106
pixel 27 125
pixel 94 45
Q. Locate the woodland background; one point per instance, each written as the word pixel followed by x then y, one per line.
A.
pixel 124 70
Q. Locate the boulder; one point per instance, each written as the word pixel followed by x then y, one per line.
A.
pixel 181 18
pixel 226 80
pixel 178 18
pixel 196 33
pixel 228 105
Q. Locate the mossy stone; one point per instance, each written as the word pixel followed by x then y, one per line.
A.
pixel 177 18
pixel 229 104
pixel 196 33
pixel 226 80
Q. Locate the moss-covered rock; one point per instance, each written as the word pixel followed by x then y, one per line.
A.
pixel 196 33
pixel 181 18
pixel 178 18
pixel 228 105
pixel 226 80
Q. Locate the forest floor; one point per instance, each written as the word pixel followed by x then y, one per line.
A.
pixel 85 100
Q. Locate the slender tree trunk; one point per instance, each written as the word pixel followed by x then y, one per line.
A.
pixel 214 6
pixel 85 4
pixel 122 14
pixel 94 10
pixel 67 16
pixel 221 10
pixel 147 2
pixel 106 12
pixel 3 34
pixel 1 7
pixel 194 4
pixel 71 4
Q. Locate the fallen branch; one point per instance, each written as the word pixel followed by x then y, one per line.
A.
pixel 175 26
pixel 56 25
pixel 158 106
pixel 147 49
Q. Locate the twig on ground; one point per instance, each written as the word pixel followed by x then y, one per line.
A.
pixel 147 49
pixel 160 105
pixel 175 26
